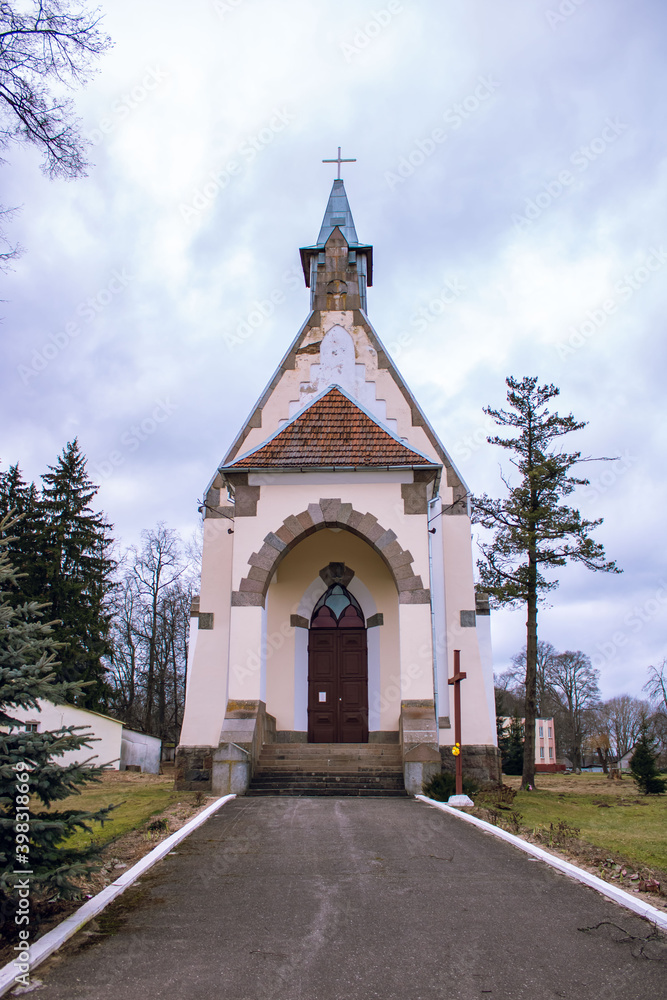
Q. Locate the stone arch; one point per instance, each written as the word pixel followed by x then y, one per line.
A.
pixel 329 513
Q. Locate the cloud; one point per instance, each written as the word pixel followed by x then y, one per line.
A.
pixel 268 87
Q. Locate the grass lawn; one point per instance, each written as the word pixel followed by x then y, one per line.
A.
pixel 611 815
pixel 141 795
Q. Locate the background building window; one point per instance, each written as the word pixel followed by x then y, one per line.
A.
pixel 541 751
pixel 541 731
pixel 551 751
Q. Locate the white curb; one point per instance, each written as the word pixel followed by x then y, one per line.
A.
pixel 657 917
pixel 55 938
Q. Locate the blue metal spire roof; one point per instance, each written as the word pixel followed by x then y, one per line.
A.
pixel 338 213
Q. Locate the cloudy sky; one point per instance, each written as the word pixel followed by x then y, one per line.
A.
pixel 510 174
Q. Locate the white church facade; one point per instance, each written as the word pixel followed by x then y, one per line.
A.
pixel 337 571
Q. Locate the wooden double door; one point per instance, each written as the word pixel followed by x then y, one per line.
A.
pixel 337 685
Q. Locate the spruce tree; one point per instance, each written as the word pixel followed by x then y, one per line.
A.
pixel 21 500
pixel 643 767
pixel 31 838
pixel 533 530
pixel 77 568
pixel 512 747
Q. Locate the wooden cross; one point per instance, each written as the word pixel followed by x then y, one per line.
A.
pixel 456 681
pixel 338 160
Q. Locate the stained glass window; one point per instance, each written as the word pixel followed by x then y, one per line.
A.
pixel 337 608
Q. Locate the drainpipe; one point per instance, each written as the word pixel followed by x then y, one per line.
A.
pixel 436 695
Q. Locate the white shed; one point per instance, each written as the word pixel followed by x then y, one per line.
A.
pixel 115 745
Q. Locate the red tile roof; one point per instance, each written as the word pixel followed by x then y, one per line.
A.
pixel 333 431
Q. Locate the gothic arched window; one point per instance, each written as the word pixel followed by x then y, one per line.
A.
pixel 337 608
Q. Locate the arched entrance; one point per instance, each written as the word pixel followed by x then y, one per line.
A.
pixel 337 670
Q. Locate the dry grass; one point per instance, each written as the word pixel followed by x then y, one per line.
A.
pixel 136 796
pixel 605 826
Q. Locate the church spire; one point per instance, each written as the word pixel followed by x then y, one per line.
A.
pixel 337 268
pixel 338 213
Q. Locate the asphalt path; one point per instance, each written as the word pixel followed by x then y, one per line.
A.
pixel 353 899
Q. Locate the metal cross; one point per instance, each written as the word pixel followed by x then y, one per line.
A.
pixel 459 675
pixel 338 160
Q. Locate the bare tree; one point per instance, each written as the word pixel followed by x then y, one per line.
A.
pixel 124 665
pixel 574 682
pixel 543 695
pixel 656 686
pixel 508 693
pixel 621 719
pixel 151 622
pixel 157 565
pixel 45 50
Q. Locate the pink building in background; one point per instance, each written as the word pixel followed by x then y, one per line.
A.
pixel 545 744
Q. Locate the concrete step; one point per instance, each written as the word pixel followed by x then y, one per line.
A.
pixel 339 757
pixel 334 749
pixel 389 781
pixel 308 767
pixel 304 769
pixel 268 782
pixel 302 791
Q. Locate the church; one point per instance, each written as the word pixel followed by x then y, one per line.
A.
pixel 337 570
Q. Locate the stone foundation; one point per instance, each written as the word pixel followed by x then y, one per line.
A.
pixel 247 727
pixel 418 736
pixel 481 763
pixel 229 766
pixel 193 769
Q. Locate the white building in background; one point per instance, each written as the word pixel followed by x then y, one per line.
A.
pixel 116 745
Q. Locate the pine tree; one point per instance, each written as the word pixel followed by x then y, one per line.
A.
pixel 31 839
pixel 77 569
pixel 643 767
pixel 533 529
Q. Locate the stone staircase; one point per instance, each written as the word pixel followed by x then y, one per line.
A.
pixel 329 769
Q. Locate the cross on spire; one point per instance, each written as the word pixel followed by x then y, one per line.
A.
pixel 338 160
